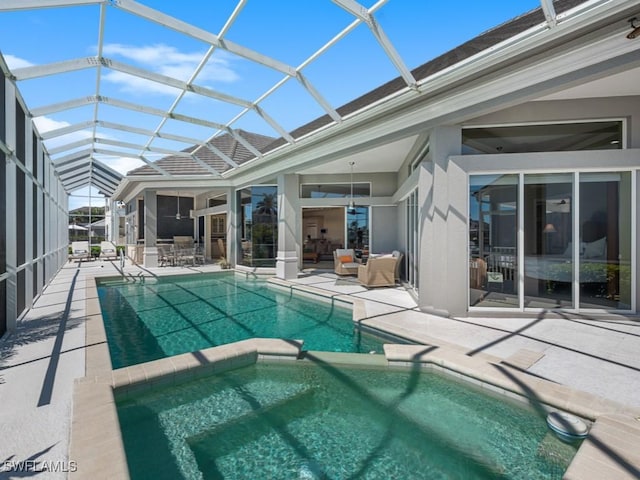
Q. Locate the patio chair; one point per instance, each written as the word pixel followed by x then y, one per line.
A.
pixel 80 251
pixel 165 255
pixel 184 250
pixel 345 262
pixel 379 271
pixel 108 251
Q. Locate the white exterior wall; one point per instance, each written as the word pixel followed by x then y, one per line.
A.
pixel 385 229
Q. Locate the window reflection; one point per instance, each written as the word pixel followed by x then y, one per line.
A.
pixel 605 248
pixel 358 228
pixel 259 225
pixel 548 227
pixel 493 220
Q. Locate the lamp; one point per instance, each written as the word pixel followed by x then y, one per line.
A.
pixel 549 228
pixel 636 30
pixel 178 216
pixel 352 208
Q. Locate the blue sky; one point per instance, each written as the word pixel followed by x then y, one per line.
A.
pixel 287 30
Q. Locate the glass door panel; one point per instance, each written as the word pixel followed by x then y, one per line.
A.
pixel 605 240
pixel 548 233
pixel 358 229
pixel 411 257
pixel 493 246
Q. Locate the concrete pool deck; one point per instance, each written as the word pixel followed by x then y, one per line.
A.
pixel 40 361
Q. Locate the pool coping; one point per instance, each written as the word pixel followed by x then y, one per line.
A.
pixel 610 450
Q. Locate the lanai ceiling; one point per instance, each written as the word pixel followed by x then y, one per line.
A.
pixel 84 148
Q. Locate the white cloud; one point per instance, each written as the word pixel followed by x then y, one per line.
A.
pixel 168 61
pixel 14 62
pixel 45 124
pixel 131 84
pixel 121 165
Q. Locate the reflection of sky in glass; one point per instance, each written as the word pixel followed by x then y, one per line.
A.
pixel 359 219
pixel 479 182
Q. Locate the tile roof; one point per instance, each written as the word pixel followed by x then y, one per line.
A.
pixel 226 143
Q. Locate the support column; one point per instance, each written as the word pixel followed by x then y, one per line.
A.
pixel 287 258
pixel 233 228
pixel 443 199
pixel 150 228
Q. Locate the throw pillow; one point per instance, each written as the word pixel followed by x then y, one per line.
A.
pixel 345 258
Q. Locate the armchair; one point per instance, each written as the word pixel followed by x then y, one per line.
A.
pixel 379 271
pixel 344 260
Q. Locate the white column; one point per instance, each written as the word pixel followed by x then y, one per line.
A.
pixel 287 258
pixel 443 199
pixel 150 228
pixel 233 227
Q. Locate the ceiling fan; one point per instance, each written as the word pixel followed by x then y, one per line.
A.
pixel 178 215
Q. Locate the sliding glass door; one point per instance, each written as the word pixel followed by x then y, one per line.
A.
pixel 548 227
pixel 493 248
pixel 605 242
pixel 551 241
pixel 411 248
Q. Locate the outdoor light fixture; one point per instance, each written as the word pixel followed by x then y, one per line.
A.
pixel 636 30
pixel 352 208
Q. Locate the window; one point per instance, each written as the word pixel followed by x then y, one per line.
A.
pixel 358 228
pixel 259 225
pixel 559 137
pixel 575 233
pixel 335 190
pixel 413 239
pixel 493 220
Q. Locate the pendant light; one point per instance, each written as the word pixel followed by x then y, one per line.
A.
pixel 178 216
pixel 352 208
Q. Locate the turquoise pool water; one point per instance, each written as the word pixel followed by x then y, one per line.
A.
pixel 312 420
pixel 173 315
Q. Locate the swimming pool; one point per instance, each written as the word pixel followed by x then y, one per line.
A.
pixel 167 316
pixel 313 420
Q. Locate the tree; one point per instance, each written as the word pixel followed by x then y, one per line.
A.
pixel 81 215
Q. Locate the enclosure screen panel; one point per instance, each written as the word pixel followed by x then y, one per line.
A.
pixel 3 121
pixel 3 307
pixel 44 227
pixel 20 214
pixel 36 285
pixel 21 291
pixel 3 212
pixel 20 132
pixel 34 156
pixel 34 221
